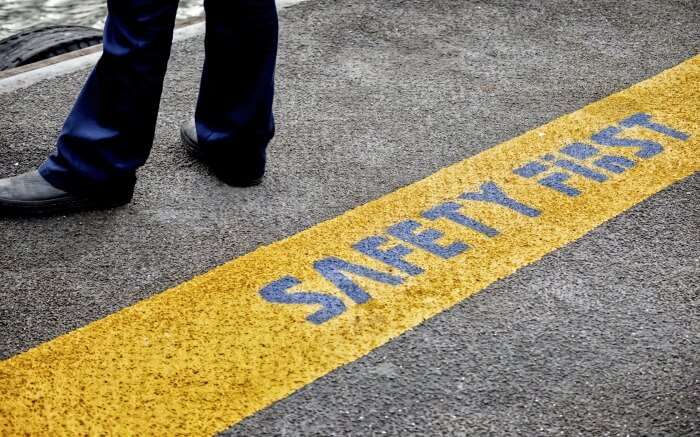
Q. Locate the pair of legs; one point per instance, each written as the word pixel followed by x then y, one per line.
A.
pixel 109 133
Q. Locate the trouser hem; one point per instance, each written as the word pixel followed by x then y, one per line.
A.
pixel 75 184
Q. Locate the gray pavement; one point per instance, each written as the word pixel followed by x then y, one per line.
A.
pixel 599 338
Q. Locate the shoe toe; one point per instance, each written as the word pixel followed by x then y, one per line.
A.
pixel 28 186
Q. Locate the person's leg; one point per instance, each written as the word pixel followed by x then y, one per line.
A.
pixel 234 121
pixel 110 130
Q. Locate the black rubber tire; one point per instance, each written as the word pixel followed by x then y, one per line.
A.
pixel 43 42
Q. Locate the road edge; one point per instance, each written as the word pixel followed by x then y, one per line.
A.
pixel 24 77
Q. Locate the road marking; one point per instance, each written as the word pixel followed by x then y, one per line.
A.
pixel 204 355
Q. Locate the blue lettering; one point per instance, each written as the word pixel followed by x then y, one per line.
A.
pixel 277 292
pixel 332 268
pixel 393 257
pixel 577 168
pixel 450 211
pixel 647 148
pixel 556 181
pixel 615 164
pixel 579 150
pixel 644 120
pixel 406 231
pixel 608 137
pixel 491 193
pixel 612 163
pixel 530 169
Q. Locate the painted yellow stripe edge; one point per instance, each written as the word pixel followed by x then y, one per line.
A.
pixel 204 355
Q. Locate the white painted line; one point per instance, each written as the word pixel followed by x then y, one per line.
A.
pixel 26 79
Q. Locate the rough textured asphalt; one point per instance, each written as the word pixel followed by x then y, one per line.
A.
pixel 599 338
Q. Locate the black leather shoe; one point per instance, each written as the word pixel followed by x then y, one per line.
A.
pixel 219 165
pixel 29 194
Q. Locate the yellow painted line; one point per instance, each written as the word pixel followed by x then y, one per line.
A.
pixel 206 354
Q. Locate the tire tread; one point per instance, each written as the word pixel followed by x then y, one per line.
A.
pixel 42 42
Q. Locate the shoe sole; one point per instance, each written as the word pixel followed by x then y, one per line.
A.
pixel 58 206
pixel 196 152
pixel 191 146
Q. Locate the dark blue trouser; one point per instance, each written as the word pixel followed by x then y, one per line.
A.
pixel 109 132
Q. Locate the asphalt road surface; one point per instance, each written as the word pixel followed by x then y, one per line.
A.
pixel 601 337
